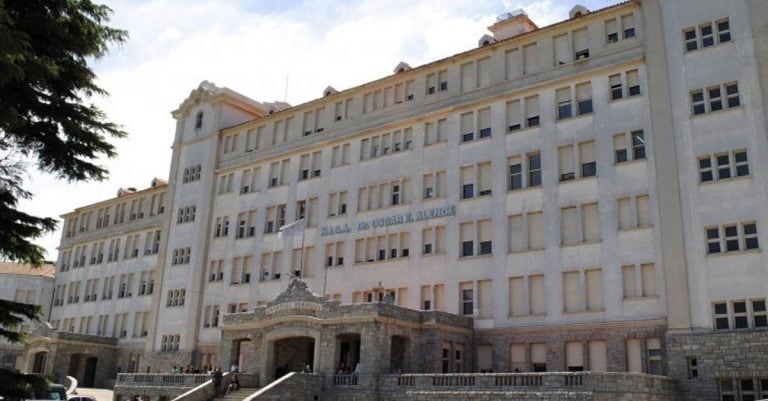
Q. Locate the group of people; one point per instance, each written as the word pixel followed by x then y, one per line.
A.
pixel 344 369
pixel 189 369
pixel 217 377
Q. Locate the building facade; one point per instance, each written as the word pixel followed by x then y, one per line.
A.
pixel 24 283
pixel 589 193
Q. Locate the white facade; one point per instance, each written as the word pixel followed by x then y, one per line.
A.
pixel 581 143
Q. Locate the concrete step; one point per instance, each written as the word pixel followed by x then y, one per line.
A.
pixel 237 395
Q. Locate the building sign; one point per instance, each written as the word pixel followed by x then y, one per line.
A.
pixel 392 220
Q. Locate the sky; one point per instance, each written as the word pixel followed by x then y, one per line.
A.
pixel 268 50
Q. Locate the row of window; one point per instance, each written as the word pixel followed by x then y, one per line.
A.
pixel 120 213
pixel 120 325
pixel 79 255
pixel 742 388
pixel 740 314
pixel 70 293
pixel 518 61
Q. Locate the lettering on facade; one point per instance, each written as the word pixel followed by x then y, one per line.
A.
pixel 292 306
pixel 393 220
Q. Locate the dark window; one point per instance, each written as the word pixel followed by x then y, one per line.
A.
pixel 690 40
pixel 533 121
pixel 713 246
pixel 485 133
pixel 588 169
pixel 467 248
pixel 707 39
pixel 514 127
pixel 705 165
pixel 723 29
pixel 698 102
pixel 382 254
pixel 634 90
pixel 721 318
pixel 486 248
pixel 515 176
pixel 731 238
pixel 585 106
pixel 638 145
pixel 616 92
pixel 613 37
pixel 564 111
pixel 761 320
pixel 468 137
pixel 427 249
pixel 740 322
pixel 732 92
pixel 443 86
pixel 629 33
pixel 468 191
pixel 393 253
pixel 742 168
pixel 750 234
pixel 567 176
pixel 534 170
pixel 621 155
pixel 715 102
pixel 723 167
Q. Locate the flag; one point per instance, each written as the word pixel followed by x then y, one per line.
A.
pixel 289 230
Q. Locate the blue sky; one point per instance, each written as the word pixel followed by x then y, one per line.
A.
pixel 251 46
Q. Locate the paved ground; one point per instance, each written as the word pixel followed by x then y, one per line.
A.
pixel 99 393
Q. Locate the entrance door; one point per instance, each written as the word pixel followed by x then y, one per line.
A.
pixel 294 355
pixel 90 371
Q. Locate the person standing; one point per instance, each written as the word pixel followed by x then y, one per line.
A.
pixel 216 377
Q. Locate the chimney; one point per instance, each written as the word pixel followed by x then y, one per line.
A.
pixel 512 24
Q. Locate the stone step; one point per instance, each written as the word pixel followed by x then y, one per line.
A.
pixel 501 395
pixel 238 395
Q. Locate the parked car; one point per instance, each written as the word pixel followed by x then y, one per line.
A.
pixel 80 398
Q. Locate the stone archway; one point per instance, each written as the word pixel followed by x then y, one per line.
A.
pixel 83 367
pixel 294 354
pixel 275 350
pixel 242 355
pixel 39 362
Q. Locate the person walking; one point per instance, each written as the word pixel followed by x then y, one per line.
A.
pixel 216 377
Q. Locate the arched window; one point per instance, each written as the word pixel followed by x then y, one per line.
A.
pixel 199 120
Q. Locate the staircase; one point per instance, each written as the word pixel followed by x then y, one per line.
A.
pixel 237 395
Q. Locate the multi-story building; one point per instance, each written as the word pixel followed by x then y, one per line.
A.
pixel 30 285
pixel 589 193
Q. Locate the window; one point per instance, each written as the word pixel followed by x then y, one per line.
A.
pixel 309 165
pixel 723 166
pixel 527 296
pixel 199 120
pixel 434 185
pixel 582 290
pixel 653 346
pixel 337 204
pixel 584 98
pixel 732 237
pixel 524 171
pixel 382 247
pixel 386 144
pixel 707 35
pixel 433 240
pixel 589 229
pixel 739 314
pixel 340 155
pixel 334 254
pixel 525 232
pixel 216 271
pixel 638 281
pixel 711 99
pixel 475 177
pixel 437 81
pixel 693 367
pixel 181 256
pixel 467 298
pixel 271 266
pixel 564 108
pixel 186 214
pixel 435 132
pixel 249 180
pixel 618 82
pixel 620 28
pixel 634 212
pixel 621 151
pixel 384 194
pixel 190 174
pixel 476 238
pixel 303 262
pixel 587 155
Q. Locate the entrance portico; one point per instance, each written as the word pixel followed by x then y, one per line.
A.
pixel 300 329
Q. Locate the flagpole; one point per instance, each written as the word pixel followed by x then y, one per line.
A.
pixel 301 263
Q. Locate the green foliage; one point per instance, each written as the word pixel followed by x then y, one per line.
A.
pixel 46 118
pixel 14 385
pixel 45 114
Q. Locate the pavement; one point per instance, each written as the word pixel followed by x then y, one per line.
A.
pixel 99 394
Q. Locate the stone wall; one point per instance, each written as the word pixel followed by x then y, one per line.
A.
pixel 555 338
pixel 742 355
pixel 293 387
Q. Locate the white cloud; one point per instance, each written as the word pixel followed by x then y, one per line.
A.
pixel 175 44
